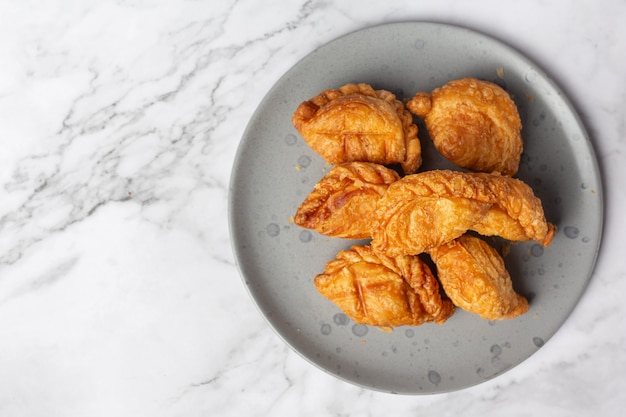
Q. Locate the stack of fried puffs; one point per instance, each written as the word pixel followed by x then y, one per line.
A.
pixel 441 214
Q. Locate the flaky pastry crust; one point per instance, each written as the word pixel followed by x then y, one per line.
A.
pixel 378 290
pixel 474 276
pixel 357 123
pixel 342 203
pixel 422 211
pixel 475 124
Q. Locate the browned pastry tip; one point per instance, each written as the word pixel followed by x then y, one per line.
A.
pixel 420 104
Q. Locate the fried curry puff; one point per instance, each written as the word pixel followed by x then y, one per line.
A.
pixel 343 202
pixel 378 290
pixel 474 124
pixel 357 123
pixel 474 276
pixel 422 211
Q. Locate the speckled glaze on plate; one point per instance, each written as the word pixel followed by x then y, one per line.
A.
pixel 274 171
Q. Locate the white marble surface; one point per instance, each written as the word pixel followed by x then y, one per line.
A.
pixel 119 293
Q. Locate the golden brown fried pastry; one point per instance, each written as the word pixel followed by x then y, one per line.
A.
pixel 357 123
pixel 517 213
pixel 498 222
pixel 474 276
pixel 377 290
pixel 474 124
pixel 342 203
pixel 422 211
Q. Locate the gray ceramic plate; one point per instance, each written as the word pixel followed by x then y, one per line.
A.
pixel 274 171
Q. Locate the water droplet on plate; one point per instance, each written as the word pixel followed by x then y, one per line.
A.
pixel 536 250
pixel 538 341
pixel 326 329
pixel 359 330
pixel 340 319
pixel 531 76
pixel 291 139
pixel 434 377
pixel 272 229
pixel 495 350
pixel 571 232
pixel 305 236
pixel 304 161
